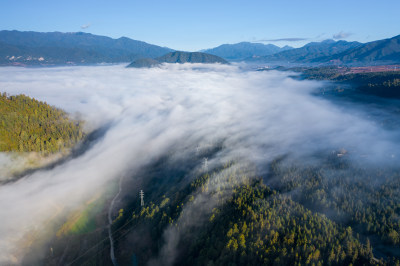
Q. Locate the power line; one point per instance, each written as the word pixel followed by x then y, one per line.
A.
pixel 107 238
pixel 141 193
pixel 106 247
pixel 104 239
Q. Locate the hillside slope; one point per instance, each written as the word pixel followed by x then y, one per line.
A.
pixel 28 125
pixel 312 52
pixel 186 57
pixel 180 58
pixel 387 50
pixel 242 50
pixel 53 48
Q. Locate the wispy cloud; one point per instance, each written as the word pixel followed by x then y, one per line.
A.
pixel 285 40
pixel 341 35
pixel 83 27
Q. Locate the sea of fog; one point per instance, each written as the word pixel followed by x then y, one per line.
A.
pixel 173 109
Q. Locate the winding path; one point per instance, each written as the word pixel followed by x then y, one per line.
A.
pixel 112 254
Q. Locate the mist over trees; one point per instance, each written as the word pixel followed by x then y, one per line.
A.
pixel 237 167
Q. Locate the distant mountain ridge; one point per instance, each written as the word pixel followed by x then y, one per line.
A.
pixel 32 48
pixel 243 50
pixel 57 48
pixel 179 57
pixel 386 51
pixel 312 52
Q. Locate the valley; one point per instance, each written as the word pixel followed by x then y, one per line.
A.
pixel 200 133
pixel 271 188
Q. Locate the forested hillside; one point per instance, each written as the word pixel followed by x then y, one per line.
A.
pixel 258 226
pixel 383 84
pixel 180 58
pixel 327 214
pixel 29 125
pixel 325 222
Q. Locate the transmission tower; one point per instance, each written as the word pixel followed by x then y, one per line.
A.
pixel 141 193
pixel 205 164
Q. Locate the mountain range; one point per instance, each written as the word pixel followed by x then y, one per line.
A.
pixel 56 48
pixel 312 52
pixel 387 50
pixel 340 52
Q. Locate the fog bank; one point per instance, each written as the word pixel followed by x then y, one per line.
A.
pixel 150 112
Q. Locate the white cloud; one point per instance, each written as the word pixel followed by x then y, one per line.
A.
pixel 83 27
pixel 153 111
pixel 341 35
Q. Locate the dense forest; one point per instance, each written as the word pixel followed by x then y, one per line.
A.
pixel 326 214
pixel 382 84
pixel 327 221
pixel 29 125
pixel 259 226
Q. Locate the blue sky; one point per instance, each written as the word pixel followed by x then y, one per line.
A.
pixel 193 25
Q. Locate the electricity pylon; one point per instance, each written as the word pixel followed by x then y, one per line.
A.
pixel 141 193
pixel 205 164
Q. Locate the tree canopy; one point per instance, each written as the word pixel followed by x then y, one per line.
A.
pixel 29 125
